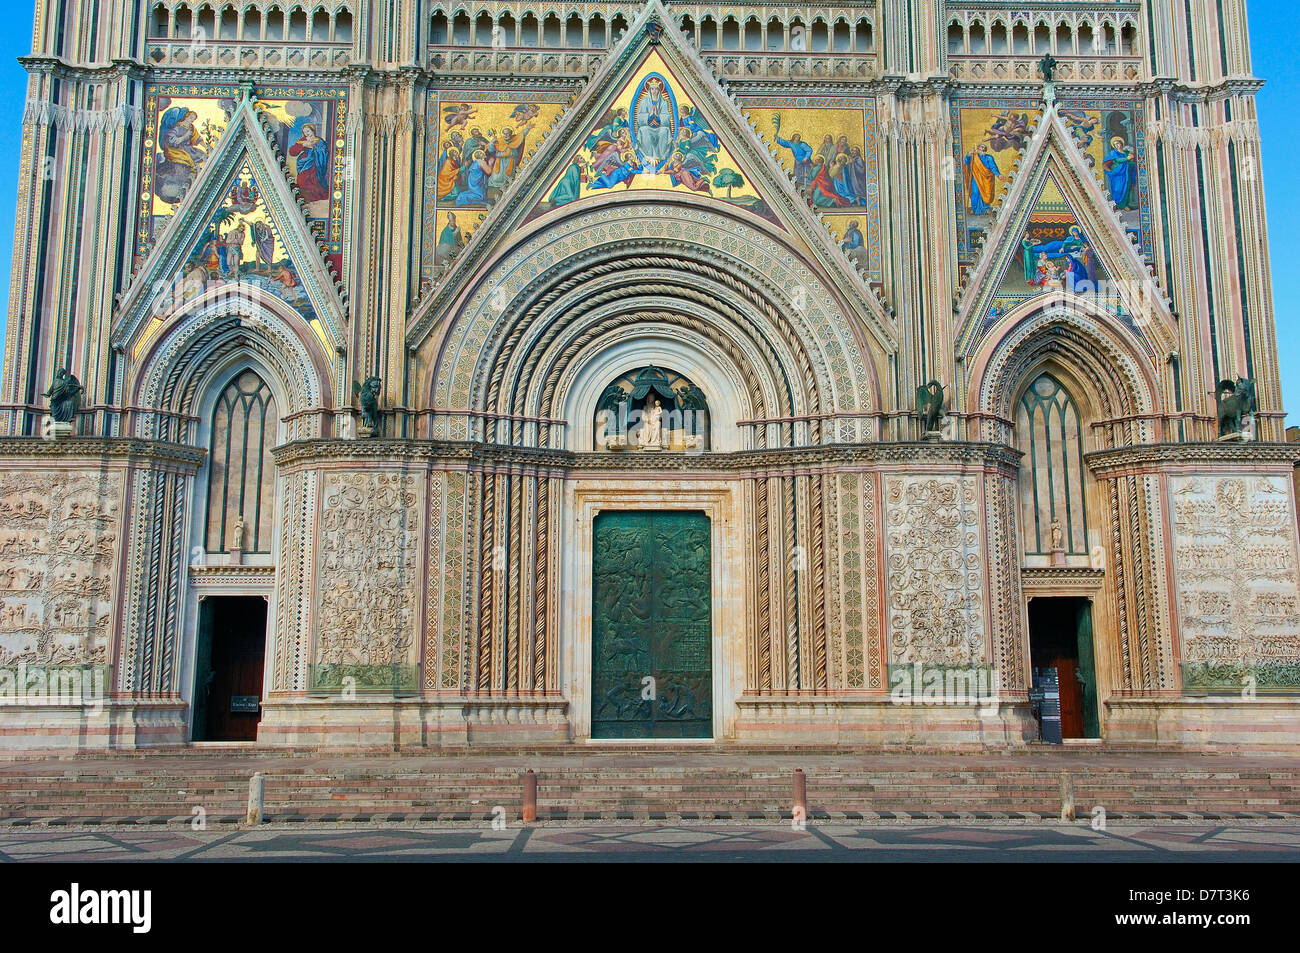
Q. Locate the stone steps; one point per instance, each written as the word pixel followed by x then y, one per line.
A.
pixel 630 781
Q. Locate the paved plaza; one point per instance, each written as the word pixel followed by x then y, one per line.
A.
pixel 1010 842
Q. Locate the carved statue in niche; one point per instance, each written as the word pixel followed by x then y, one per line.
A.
pixel 652 410
pixel 1235 401
pixel 651 435
pixel 237 534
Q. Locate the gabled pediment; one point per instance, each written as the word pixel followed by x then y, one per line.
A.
pixel 239 230
pixel 1057 235
pixel 653 136
pixel 653 120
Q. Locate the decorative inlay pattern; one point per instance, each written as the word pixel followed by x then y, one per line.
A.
pixel 1235 568
pixel 368 569
pixel 935 570
pixel 59 539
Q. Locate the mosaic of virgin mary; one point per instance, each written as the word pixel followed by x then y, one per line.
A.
pixel 181 153
pixel 654 122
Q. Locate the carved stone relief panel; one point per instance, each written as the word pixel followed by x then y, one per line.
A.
pixel 935 570
pixel 1235 570
pixel 59 534
pixel 368 569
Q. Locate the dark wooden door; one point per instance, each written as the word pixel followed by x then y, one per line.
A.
pixel 1071 697
pixel 237 652
pixel 651 630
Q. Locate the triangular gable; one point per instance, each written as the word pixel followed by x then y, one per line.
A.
pixel 242 185
pixel 654 136
pixel 1057 233
pixel 654 44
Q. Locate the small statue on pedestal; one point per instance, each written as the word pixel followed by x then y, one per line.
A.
pixel 1058 543
pixel 1235 401
pixel 651 435
pixel 929 407
pixel 65 400
pixel 369 394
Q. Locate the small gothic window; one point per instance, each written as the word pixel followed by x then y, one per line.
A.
pixel 652 410
pixel 241 473
pixel 1050 434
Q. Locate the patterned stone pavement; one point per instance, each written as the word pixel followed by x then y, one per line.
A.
pixel 923 842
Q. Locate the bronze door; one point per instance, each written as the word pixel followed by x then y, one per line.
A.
pixel 651 626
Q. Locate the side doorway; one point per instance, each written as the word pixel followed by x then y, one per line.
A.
pixel 229 663
pixel 1061 653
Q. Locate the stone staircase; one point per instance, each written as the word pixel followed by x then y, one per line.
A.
pixel 659 783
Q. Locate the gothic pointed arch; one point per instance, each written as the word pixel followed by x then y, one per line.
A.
pixel 1058 239
pixel 239 234
pixel 243 426
pixel 181 366
pixel 1109 365
pixel 655 51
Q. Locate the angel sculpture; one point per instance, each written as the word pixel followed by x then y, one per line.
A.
pixel 929 406
pixel 369 394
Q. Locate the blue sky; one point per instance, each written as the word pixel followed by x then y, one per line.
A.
pixel 1272 45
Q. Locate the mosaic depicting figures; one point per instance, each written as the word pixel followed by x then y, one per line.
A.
pixel 184 141
pixel 242 244
pixel 824 151
pixel 1056 253
pixel 183 124
pixel 473 164
pixel 830 150
pixel 652 136
pixel 989 139
pixel 475 148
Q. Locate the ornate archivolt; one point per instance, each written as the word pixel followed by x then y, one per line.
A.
pixel 212 333
pixel 1112 371
pixel 178 372
pixel 1086 341
pixel 672 258
pixel 745 369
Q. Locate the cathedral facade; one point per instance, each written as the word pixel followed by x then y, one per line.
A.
pixel 443 374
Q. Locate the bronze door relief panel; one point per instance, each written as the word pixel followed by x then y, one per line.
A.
pixel 651 628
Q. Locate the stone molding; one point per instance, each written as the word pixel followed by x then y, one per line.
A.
pixel 128 450
pixel 1241 454
pixel 305 453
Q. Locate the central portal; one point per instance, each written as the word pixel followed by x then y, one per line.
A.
pixel 651 626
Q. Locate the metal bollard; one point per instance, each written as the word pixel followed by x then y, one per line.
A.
pixel 530 797
pixel 256 792
pixel 1067 797
pixel 800 794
